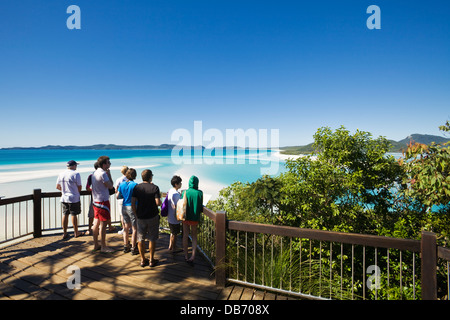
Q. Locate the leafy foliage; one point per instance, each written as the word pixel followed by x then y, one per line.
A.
pixel 350 184
pixel 428 180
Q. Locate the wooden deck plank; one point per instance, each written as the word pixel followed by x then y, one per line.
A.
pixel 110 270
pixel 269 296
pixel 225 293
pixel 236 293
pixel 49 257
pixel 52 283
pixel 247 294
pixel 258 295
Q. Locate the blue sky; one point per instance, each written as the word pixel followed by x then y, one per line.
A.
pixel 138 70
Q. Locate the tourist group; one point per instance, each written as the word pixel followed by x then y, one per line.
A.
pixel 139 206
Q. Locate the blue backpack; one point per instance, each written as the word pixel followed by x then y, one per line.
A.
pixel 165 206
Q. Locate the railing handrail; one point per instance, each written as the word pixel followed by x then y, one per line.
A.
pixel 13 200
pixel 331 236
pixel 209 213
pixel 444 253
pixel 56 194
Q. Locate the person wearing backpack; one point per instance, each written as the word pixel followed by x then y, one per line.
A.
pixel 174 225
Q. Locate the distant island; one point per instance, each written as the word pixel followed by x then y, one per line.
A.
pixel 397 146
pixel 95 147
pixel 116 147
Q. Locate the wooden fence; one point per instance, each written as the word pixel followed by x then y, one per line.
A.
pixel 238 250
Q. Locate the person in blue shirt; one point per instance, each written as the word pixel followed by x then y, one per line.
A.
pixel 129 219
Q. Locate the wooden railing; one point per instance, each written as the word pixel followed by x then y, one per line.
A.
pixel 248 244
pixel 279 258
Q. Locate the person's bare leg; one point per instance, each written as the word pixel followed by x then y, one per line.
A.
pixel 141 246
pixel 151 249
pixel 65 223
pixel 126 228
pixel 194 242
pixel 185 240
pixel 75 225
pixel 91 223
pixel 104 248
pixel 95 233
pixel 133 236
pixel 173 242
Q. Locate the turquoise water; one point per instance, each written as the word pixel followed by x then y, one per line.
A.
pixel 21 171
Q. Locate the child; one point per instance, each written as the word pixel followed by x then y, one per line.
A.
pixel 174 225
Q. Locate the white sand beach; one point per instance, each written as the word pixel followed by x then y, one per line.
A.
pixel 283 157
pixel 14 176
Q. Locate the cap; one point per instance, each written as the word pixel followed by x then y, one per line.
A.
pixel 72 163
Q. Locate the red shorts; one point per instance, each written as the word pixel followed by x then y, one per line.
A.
pixel 102 211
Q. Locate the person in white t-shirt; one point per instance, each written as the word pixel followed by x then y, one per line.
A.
pixel 69 183
pixel 174 225
pixel 101 183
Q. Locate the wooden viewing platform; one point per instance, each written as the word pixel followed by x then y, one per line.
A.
pixel 244 254
pixel 37 269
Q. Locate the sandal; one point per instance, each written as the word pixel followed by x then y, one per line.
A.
pixel 145 263
pixel 107 250
pixel 134 251
pixel 65 237
pixel 154 263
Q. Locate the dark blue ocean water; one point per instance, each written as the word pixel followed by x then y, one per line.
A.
pixel 27 156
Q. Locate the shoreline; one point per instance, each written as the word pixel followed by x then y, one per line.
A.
pixel 21 179
pixel 278 154
pixel 16 176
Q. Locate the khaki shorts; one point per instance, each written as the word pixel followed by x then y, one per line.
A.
pixel 148 229
pixel 128 215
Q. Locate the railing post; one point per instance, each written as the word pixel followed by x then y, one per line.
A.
pixel 221 274
pixel 37 210
pixel 429 266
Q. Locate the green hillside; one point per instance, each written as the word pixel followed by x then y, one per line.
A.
pixel 397 146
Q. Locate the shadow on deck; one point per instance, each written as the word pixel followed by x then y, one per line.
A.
pixel 39 269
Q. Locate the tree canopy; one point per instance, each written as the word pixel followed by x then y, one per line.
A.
pixel 350 183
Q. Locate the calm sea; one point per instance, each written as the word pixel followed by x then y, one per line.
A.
pixel 21 171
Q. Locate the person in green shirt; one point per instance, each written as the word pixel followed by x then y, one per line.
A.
pixel 194 207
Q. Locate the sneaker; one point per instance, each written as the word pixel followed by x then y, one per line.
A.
pixel 120 231
pixel 134 251
pixel 126 248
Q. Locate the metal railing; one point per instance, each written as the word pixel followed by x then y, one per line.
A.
pixel 52 210
pixel 16 218
pixel 41 212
